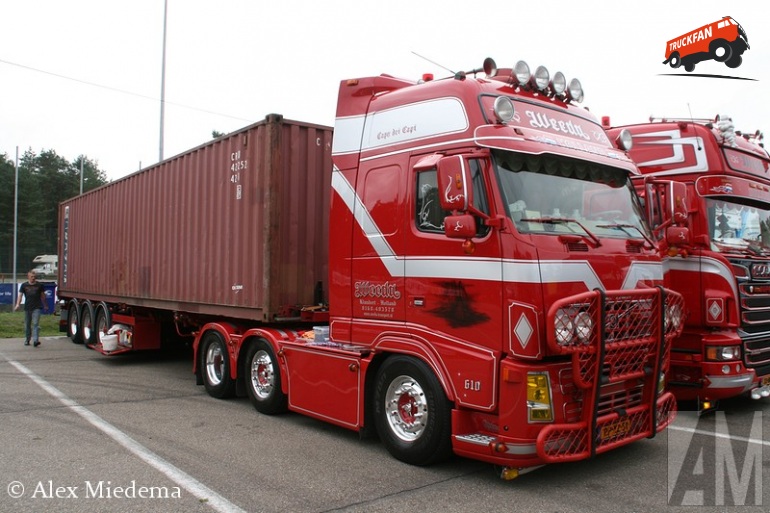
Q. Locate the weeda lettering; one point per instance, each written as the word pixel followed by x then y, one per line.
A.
pixel 385 290
pixel 541 120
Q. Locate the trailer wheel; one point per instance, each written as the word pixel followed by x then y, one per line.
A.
pixel 73 321
pixel 87 325
pixel 263 373
pixel 215 362
pixel 412 414
pixel 720 50
pixel 103 320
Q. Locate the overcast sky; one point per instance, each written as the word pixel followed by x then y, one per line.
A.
pixel 84 76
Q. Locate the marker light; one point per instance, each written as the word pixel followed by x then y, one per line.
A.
pixel 559 83
pixel 624 141
pixel 539 397
pixel 503 109
pixel 575 90
pixel 541 78
pixel 521 73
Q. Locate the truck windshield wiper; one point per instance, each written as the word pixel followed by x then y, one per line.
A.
pixel 564 220
pixel 622 227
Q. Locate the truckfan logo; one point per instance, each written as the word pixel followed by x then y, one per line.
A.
pixel 722 41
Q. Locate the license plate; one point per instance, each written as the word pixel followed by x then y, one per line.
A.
pixel 615 429
pixel 766 381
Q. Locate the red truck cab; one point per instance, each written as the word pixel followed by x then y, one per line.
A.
pixel 723 270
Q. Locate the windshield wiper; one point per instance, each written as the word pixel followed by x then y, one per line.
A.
pixel 622 227
pixel 564 220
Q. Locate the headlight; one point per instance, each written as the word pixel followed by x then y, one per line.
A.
pixel 723 353
pixel 564 327
pixel 673 317
pixel 584 327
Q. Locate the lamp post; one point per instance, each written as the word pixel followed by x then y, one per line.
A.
pixel 15 225
pixel 163 82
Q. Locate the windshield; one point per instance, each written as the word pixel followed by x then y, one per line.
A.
pixel 548 194
pixel 738 227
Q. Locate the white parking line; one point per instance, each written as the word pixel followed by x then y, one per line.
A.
pixel 189 483
pixel 720 435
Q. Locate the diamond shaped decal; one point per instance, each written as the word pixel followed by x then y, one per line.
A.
pixel 715 310
pixel 523 331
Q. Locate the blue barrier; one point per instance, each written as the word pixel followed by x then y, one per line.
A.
pixel 6 294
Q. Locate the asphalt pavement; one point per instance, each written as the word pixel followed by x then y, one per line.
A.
pixel 85 433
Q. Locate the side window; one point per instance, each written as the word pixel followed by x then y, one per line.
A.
pixel 429 215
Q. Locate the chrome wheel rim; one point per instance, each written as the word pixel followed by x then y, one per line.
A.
pixel 215 364
pixel 262 374
pixel 406 408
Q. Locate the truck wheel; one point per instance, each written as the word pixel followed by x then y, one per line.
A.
pixel 73 321
pixel 263 375
pixel 720 50
pixel 411 412
pixel 87 325
pixel 675 61
pixel 103 320
pixel 734 61
pixel 215 363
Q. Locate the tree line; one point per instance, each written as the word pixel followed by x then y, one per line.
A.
pixel 45 180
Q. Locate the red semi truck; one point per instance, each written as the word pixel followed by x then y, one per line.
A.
pixel 492 286
pixel 723 268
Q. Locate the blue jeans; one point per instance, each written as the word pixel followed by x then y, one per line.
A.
pixel 32 324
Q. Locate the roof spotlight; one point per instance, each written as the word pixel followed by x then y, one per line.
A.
pixel 575 90
pixel 559 83
pixel 521 73
pixel 503 109
pixel 541 78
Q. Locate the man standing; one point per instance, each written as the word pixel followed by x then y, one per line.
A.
pixel 34 301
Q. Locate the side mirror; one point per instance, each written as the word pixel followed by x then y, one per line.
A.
pixel 679 203
pixel 667 203
pixel 677 236
pixel 454 184
pixel 460 227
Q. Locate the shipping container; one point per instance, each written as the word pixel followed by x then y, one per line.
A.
pixel 237 227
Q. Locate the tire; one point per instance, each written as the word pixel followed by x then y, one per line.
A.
pixel 262 373
pixel 73 321
pixel 215 366
pixel 675 61
pixel 734 61
pixel 411 412
pixel 87 324
pixel 103 320
pixel 689 67
pixel 720 50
